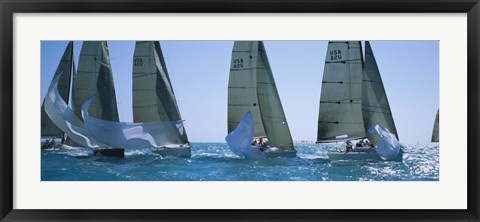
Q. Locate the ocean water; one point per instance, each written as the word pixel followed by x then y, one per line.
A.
pixel 215 162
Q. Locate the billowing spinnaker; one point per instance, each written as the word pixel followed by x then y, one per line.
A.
pixel 64 118
pixel 132 135
pixel 95 133
pixel 340 116
pixel 239 140
pixel 388 146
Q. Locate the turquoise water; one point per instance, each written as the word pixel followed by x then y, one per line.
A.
pixel 215 162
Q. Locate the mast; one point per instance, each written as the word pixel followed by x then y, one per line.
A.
pixel 375 106
pixel 435 137
pixel 273 116
pixel 242 86
pixel 48 128
pixel 340 111
pixel 153 96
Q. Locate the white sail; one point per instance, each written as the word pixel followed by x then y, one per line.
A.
pixel 435 137
pixel 66 120
pixel 242 86
pixel 388 147
pixel 48 128
pixel 271 110
pixel 97 133
pixel 340 112
pixel 94 78
pixel 132 135
pixel 153 96
pixel 240 139
pixel 375 106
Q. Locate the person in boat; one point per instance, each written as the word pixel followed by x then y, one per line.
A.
pixel 262 145
pixel 367 143
pixel 52 142
pixel 48 144
pixel 360 143
pixel 265 142
pixel 349 146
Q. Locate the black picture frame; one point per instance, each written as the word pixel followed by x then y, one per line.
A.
pixel 10 7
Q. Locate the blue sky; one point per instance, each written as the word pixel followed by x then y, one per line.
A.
pixel 199 74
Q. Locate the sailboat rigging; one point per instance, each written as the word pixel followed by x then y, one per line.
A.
pixel 154 99
pixel 254 105
pixel 93 120
pixel 353 101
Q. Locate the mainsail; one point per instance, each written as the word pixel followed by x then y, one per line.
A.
pixel 375 106
pixel 94 78
pixel 48 128
pixel 242 86
pixel 340 112
pixel 252 88
pixel 153 97
pixel 435 129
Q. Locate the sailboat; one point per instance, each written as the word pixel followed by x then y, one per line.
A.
pixel 254 105
pixel 435 137
pixel 93 119
pixel 94 79
pixel 154 99
pixel 48 128
pixel 353 101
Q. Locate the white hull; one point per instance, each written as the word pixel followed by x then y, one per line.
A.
pixel 180 152
pixel 361 154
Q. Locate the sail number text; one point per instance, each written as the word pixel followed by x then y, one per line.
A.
pixel 335 54
pixel 137 62
pixel 237 63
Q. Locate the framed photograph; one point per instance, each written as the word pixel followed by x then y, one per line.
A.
pixel 255 111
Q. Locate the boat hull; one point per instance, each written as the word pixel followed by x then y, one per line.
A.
pixel 362 155
pixel 110 152
pixel 180 152
pixel 53 146
pixel 285 154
